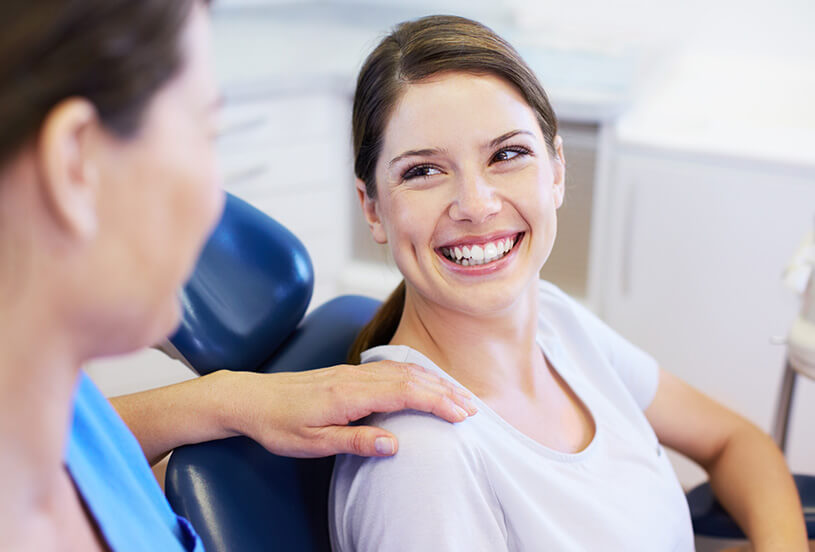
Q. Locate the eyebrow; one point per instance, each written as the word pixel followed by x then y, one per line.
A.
pixel 507 136
pixel 428 152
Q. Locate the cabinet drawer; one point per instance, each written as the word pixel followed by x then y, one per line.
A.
pixel 283 120
pixel 287 168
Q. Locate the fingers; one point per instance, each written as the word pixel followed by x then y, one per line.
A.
pixel 360 440
pixel 409 386
pixel 312 410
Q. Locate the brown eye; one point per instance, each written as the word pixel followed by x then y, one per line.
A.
pixel 420 171
pixel 509 153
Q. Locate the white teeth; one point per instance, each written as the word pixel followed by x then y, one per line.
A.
pixel 476 254
pixel 490 251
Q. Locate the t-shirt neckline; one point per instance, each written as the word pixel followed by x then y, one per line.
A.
pixel 548 350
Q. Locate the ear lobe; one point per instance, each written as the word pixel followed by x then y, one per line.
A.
pixel 559 170
pixel 69 178
pixel 369 209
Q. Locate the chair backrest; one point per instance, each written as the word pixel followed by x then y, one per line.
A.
pixel 249 290
pixel 240 497
pixel 241 311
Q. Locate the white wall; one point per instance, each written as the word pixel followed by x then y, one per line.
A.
pixel 782 27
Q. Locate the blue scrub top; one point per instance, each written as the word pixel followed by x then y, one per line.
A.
pixel 112 475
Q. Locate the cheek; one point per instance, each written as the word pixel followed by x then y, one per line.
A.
pixel 412 217
pixel 541 194
pixel 177 213
pixel 206 188
pixel 190 174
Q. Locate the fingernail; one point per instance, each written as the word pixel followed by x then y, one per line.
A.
pixel 469 407
pixel 461 412
pixel 384 445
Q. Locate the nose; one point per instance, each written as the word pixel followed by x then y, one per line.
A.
pixel 475 200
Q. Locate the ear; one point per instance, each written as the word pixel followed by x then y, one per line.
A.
pixel 69 177
pixel 559 170
pixel 369 209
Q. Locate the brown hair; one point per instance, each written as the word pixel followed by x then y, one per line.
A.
pixel 115 53
pixel 414 51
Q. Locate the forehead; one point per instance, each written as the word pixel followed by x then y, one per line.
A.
pixel 456 108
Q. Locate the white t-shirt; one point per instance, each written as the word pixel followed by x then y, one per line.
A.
pixel 482 485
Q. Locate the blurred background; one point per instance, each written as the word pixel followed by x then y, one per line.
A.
pixel 689 133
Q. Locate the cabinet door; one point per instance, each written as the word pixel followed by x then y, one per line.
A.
pixel 697 252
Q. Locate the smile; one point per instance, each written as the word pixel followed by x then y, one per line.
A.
pixel 475 254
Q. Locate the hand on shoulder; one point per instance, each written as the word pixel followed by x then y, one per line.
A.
pixel 306 414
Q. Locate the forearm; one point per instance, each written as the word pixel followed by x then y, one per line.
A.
pixel 751 480
pixel 303 414
pixel 193 411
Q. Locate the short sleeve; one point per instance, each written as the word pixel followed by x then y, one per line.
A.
pixel 432 495
pixel 638 370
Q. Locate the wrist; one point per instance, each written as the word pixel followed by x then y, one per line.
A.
pixel 226 391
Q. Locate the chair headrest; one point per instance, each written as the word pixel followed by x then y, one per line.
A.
pixel 249 290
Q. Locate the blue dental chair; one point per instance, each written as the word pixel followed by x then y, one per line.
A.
pixel 243 310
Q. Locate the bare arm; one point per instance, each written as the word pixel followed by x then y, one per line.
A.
pixel 302 414
pixel 747 471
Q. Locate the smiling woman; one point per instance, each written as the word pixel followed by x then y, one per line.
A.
pixel 420 52
pixel 461 172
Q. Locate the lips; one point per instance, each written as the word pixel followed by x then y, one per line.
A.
pixel 480 253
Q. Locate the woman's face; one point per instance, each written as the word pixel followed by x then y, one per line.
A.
pixel 467 192
pixel 159 196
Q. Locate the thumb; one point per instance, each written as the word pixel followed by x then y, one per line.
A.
pixel 363 441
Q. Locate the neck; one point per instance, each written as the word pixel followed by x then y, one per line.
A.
pixel 488 354
pixel 38 371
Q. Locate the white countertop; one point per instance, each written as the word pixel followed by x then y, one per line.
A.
pixel 745 107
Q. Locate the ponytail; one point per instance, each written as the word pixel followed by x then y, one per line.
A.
pixel 380 330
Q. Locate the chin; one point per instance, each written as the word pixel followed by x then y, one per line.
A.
pixel 161 323
pixel 477 303
pixel 172 318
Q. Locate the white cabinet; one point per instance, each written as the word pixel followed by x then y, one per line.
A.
pixel 696 247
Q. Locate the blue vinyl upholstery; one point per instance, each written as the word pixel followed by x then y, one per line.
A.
pixel 249 290
pixel 238 496
pixel 242 311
